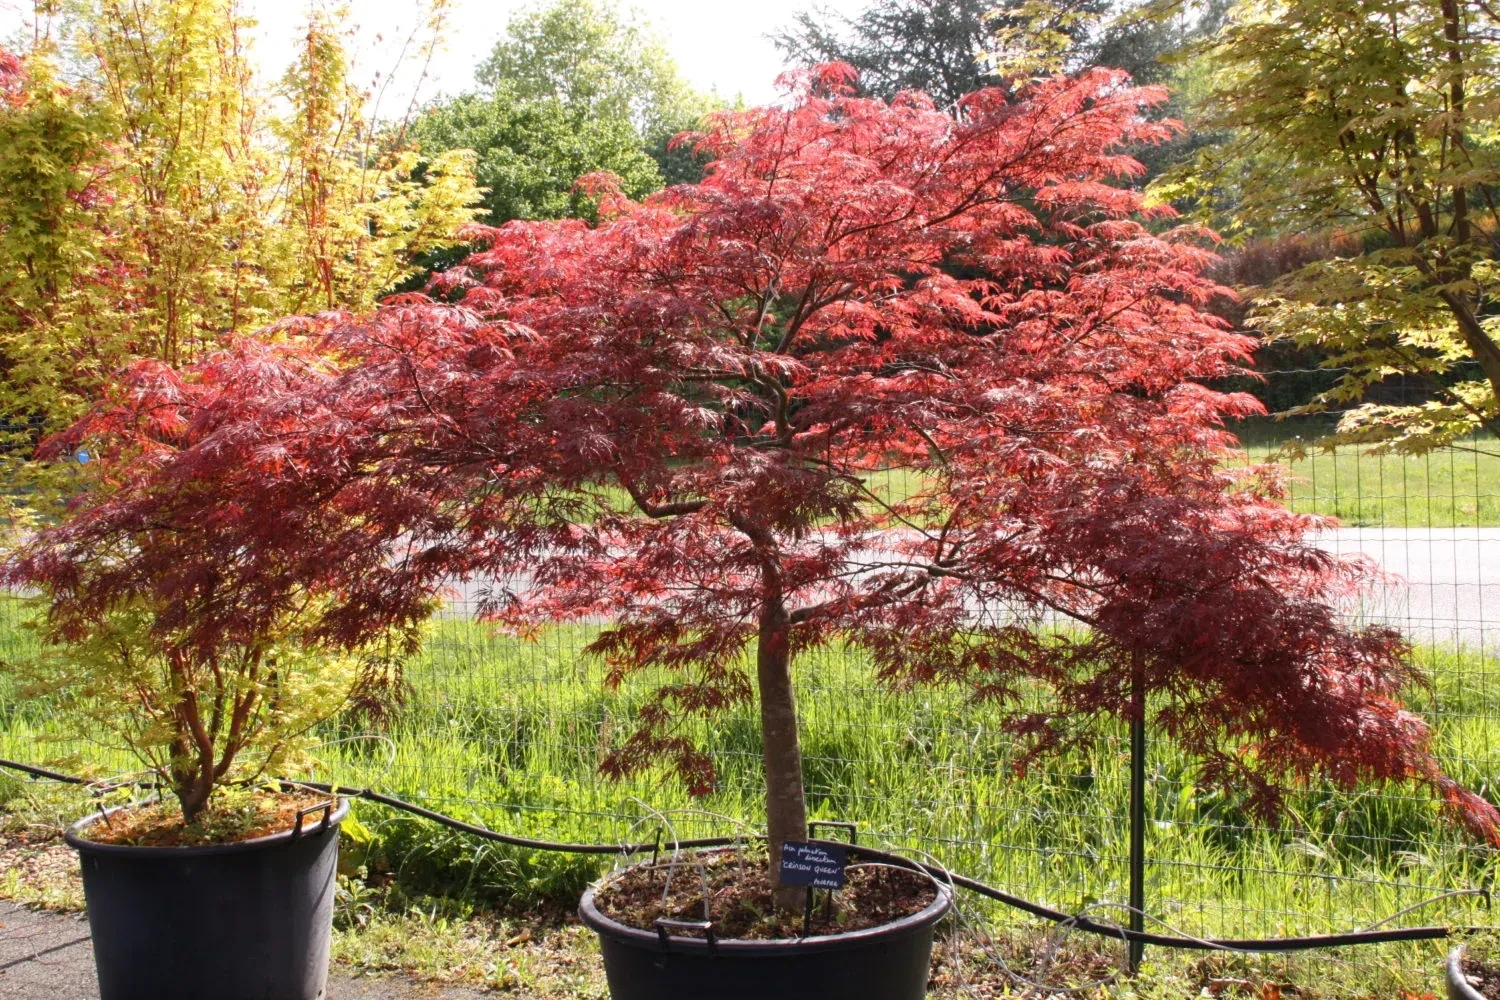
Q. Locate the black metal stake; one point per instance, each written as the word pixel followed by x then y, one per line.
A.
pixel 1137 820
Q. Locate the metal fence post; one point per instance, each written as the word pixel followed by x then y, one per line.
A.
pixel 1137 820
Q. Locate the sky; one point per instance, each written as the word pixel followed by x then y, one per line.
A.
pixel 719 44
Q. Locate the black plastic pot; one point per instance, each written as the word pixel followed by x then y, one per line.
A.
pixel 1458 984
pixel 245 921
pixel 883 963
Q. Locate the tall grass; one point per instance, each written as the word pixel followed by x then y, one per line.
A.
pixel 510 733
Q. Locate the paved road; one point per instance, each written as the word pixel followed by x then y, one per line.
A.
pixel 46 956
pixel 1443 584
pixel 1446 585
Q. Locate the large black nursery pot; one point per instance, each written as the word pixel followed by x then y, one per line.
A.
pixel 244 921
pixel 890 962
pixel 1458 983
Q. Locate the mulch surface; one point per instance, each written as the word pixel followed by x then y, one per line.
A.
pixel 160 824
pixel 737 887
pixel 42 868
pixel 1483 977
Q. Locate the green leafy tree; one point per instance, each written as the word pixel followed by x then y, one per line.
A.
pixel 574 88
pixel 1376 119
pixel 603 65
pixel 591 56
pixel 531 153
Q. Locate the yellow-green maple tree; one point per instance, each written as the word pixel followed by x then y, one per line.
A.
pixel 157 198
pixel 1376 120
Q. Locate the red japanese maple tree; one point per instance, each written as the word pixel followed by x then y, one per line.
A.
pixel 673 419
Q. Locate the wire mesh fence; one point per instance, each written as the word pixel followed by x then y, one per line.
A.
pixel 510 732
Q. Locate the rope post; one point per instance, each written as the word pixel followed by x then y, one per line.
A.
pixel 1137 948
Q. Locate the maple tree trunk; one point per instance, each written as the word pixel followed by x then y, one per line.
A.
pixel 193 783
pixel 1486 351
pixel 786 802
pixel 192 763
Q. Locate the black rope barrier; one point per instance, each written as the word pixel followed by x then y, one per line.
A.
pixel 1082 923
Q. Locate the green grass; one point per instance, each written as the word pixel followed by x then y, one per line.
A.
pixel 1453 487
pixel 510 733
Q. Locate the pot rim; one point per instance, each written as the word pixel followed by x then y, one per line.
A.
pixel 607 926
pixel 74 838
pixel 1458 982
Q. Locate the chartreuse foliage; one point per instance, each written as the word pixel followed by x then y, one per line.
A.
pixel 1376 118
pixel 855 284
pixel 57 307
pixel 155 206
pixel 199 722
pixel 154 201
pixel 362 219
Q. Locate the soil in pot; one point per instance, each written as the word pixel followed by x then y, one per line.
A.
pixel 235 815
pixel 1483 977
pixel 875 943
pixel 737 885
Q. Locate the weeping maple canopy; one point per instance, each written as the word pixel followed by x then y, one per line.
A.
pixel 673 420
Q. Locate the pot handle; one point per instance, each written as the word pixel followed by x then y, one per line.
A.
pixel 837 824
pixel 302 814
pixel 662 924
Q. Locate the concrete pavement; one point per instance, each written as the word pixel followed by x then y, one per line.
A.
pixel 46 956
pixel 1445 585
pixel 1442 585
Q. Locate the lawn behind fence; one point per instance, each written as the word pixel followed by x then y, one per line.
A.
pixel 1456 487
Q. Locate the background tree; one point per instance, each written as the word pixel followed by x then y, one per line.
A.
pixel 948 49
pixel 597 60
pixel 1376 121
pixel 855 286
pixel 951 48
pixel 574 88
pixel 530 154
pixel 930 45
